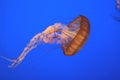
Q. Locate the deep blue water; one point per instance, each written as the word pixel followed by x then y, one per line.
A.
pixel 99 59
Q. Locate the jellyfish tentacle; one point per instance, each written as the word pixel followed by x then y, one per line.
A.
pixel 56 33
pixel 46 37
pixel 6 58
pixel 33 43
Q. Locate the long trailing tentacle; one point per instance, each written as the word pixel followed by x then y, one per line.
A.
pixel 46 37
pixel 33 43
pixel 50 35
pixel 36 40
pixel 6 58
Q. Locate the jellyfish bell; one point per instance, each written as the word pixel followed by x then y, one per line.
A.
pixel 116 15
pixel 118 4
pixel 82 28
pixel 72 38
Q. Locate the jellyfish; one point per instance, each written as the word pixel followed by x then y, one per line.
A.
pixel 72 38
pixel 117 12
pixel 118 4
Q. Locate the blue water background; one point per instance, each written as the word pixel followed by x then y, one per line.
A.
pixel 99 59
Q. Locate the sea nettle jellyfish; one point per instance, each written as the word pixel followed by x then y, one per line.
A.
pixel 117 12
pixel 72 38
pixel 118 4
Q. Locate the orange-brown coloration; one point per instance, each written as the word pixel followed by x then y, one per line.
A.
pixel 79 40
pixel 72 38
